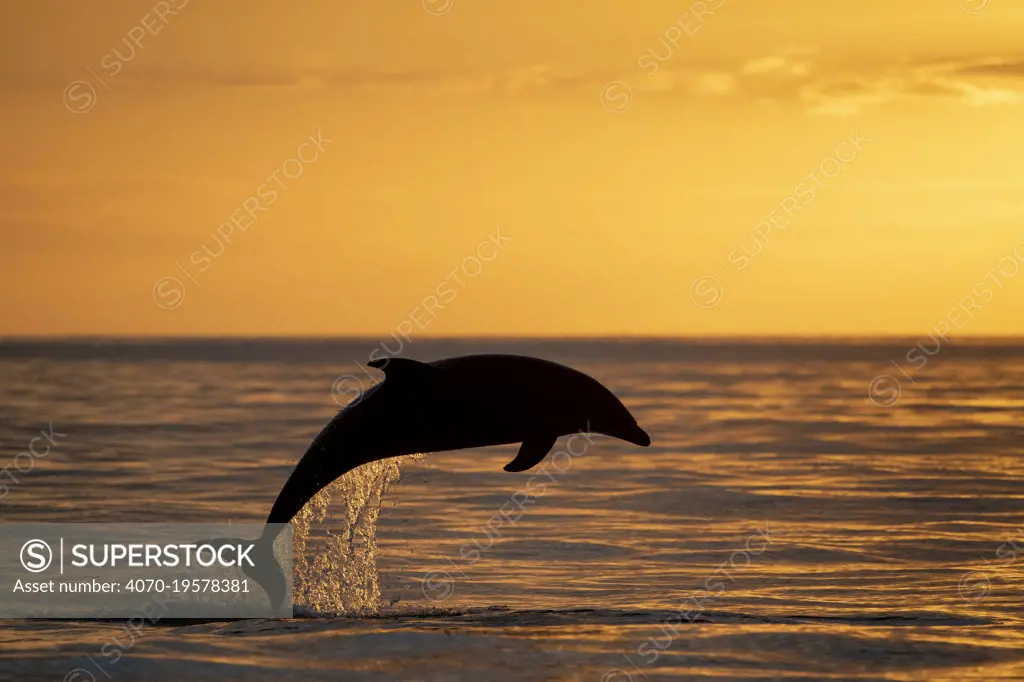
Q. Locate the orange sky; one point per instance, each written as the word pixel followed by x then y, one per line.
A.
pixel 620 183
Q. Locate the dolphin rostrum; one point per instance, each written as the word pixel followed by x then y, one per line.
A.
pixel 470 401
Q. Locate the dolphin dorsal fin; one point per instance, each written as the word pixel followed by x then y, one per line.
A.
pixel 401 367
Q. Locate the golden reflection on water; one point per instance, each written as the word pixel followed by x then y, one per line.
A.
pixel 891 528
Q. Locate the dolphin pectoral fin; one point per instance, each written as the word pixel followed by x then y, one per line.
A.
pixel 402 367
pixel 531 453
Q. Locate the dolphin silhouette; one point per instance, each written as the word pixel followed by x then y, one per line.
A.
pixel 462 402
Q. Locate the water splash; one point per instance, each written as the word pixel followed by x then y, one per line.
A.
pixel 335 548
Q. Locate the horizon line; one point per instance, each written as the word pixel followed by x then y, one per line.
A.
pixel 21 338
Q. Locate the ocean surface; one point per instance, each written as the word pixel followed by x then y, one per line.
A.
pixel 812 510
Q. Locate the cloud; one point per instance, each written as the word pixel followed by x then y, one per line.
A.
pixel 764 65
pixel 714 83
pixel 986 81
pixel 515 81
pixel 841 91
pixel 996 68
pixel 798 75
pixel 795 74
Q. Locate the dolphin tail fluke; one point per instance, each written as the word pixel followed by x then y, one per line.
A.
pixel 531 453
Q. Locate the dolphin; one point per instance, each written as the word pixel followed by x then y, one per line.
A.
pixel 462 402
